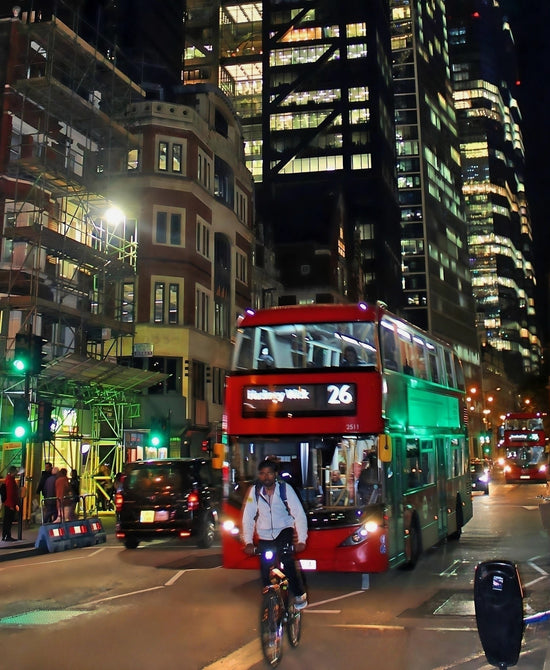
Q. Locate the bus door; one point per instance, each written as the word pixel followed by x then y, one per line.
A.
pixel 441 476
pixel 393 479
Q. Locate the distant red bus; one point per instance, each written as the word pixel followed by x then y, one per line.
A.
pixel 522 448
pixel 365 414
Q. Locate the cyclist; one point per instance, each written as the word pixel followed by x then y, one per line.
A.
pixel 276 514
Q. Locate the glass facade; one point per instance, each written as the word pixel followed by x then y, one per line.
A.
pixel 436 278
pixel 499 225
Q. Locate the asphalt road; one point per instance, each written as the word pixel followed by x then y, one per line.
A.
pixel 171 605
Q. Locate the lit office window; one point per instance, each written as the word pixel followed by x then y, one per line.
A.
pixel 173 304
pixel 163 156
pixel 176 158
pixel 158 307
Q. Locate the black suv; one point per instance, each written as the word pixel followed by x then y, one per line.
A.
pixel 168 497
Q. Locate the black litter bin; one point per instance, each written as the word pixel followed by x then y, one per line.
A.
pixel 498 599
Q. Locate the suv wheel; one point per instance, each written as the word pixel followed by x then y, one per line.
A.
pixel 131 542
pixel 206 532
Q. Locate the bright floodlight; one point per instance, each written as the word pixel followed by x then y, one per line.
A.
pixel 114 216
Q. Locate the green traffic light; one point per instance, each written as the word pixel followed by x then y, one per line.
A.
pixel 19 364
pixel 155 441
pixel 20 431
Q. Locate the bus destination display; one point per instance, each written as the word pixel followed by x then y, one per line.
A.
pixel 299 400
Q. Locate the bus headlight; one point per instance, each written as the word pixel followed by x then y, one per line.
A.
pixel 229 526
pixel 542 468
pixel 361 534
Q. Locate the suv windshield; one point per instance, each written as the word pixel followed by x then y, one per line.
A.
pixel 167 479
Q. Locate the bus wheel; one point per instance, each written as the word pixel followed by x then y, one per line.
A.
pixel 413 545
pixel 459 521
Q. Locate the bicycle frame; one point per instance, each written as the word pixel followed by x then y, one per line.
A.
pixel 276 613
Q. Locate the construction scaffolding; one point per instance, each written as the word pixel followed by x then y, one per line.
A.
pixel 67 265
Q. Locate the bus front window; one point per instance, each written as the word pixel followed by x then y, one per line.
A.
pixel 325 472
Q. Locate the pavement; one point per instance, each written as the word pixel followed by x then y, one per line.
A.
pixel 25 546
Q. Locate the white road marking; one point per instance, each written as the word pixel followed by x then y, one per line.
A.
pixel 245 657
pixel 331 600
pixel 121 595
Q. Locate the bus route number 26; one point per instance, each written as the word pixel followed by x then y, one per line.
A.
pixel 340 394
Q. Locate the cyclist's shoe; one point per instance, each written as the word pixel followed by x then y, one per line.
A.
pixel 300 602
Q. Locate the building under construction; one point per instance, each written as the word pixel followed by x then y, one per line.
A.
pixel 66 254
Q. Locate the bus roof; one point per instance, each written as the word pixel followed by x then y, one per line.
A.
pixel 326 313
pixel 525 415
pixel 314 313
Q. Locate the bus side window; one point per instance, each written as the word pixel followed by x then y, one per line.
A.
pixel 244 359
pixel 449 369
pixel 420 366
pixel 389 349
pixel 432 363
pixel 459 373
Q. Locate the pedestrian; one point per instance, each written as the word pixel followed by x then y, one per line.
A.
pixel 50 502
pixel 74 483
pixel 63 495
pixel 45 474
pixel 104 483
pixel 274 511
pixel 11 504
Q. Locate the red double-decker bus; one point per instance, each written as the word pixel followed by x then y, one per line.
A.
pixel 365 415
pixel 523 448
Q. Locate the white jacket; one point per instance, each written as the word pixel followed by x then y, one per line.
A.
pixel 270 515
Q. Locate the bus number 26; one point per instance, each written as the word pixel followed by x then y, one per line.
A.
pixel 339 395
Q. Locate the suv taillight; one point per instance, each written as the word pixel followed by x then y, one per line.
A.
pixel 193 501
pixel 118 501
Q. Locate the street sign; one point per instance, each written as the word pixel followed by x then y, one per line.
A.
pixel 143 350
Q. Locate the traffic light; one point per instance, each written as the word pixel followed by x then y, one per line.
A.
pixel 45 430
pixel 159 435
pixel 37 354
pixel 485 441
pixel 218 457
pixel 206 446
pixel 28 356
pixel 20 424
pixel 22 358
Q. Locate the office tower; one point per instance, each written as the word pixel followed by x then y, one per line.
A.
pixel 484 75
pixel 311 82
pixel 436 278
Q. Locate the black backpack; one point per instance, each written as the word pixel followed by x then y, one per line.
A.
pixel 3 492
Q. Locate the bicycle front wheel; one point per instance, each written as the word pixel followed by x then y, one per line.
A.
pixel 294 625
pixel 271 628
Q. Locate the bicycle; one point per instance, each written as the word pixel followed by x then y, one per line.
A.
pixel 277 612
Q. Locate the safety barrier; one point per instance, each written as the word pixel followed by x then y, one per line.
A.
pixel 62 534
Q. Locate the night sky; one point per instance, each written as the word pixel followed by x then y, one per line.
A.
pixel 529 20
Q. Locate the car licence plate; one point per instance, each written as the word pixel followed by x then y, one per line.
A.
pixel 147 516
pixel 308 564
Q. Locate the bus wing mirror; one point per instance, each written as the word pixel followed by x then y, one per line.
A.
pixel 384 448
